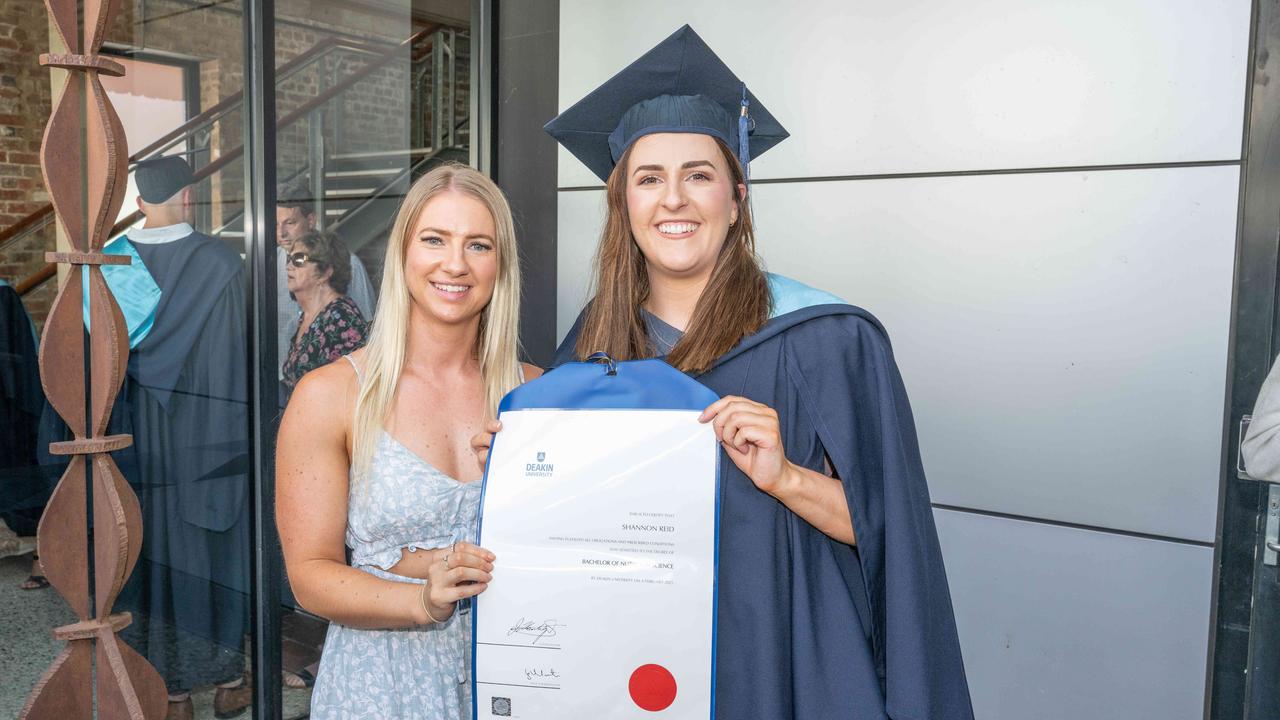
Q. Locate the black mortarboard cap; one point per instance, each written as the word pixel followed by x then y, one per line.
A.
pixel 159 178
pixel 678 86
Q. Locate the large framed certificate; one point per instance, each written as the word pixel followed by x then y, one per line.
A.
pixel 601 502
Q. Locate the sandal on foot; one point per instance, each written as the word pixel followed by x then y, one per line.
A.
pixel 35 582
pixel 299 679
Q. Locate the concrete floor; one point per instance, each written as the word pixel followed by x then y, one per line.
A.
pixel 27 647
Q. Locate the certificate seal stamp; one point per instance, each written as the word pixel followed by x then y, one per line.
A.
pixel 652 687
pixel 501 706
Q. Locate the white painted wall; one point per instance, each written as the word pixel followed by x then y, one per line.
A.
pixel 879 86
pixel 1062 332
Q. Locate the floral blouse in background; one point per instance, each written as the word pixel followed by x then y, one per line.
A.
pixel 338 330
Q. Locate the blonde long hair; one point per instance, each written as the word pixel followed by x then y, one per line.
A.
pixel 497 345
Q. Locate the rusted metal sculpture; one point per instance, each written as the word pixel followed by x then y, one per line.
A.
pixel 84 160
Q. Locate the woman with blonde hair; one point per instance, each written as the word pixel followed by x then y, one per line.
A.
pixel 374 454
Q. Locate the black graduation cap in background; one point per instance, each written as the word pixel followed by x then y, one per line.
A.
pixel 158 179
pixel 680 85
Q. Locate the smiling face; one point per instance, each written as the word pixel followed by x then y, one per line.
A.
pixel 681 200
pixel 451 260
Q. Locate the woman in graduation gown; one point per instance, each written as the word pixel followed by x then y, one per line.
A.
pixel 833 602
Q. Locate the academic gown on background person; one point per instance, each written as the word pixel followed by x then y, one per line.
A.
pixel 807 627
pixel 185 402
pixel 23 491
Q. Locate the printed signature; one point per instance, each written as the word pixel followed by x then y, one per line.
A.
pixel 541 674
pixel 535 629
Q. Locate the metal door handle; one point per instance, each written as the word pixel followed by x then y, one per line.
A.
pixel 1271 540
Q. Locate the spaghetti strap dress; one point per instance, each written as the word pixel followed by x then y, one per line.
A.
pixel 401 503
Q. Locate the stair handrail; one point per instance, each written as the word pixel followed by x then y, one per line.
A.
pixel 213 114
pixel 383 189
pixel 28 221
pixel 49 270
pixel 225 105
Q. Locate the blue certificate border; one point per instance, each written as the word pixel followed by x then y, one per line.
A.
pixel 627 385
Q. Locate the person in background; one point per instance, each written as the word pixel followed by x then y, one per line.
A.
pixel 329 323
pixel 295 216
pixel 185 401
pixel 330 326
pixel 23 489
pixel 1261 446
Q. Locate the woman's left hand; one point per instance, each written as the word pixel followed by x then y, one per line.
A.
pixel 482 441
pixel 750 435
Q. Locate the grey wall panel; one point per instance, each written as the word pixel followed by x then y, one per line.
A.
pixel 580 219
pixel 894 86
pixel 1062 335
pixel 1062 624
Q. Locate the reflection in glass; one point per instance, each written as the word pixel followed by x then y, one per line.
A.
pixel 23 494
pixel 363 108
pixel 185 402
pixel 368 99
pixel 322 277
pixel 184 397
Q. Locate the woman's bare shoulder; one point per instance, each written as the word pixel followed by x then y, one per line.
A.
pixel 327 392
pixel 531 372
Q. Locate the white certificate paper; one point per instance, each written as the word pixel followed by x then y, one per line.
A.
pixel 602 600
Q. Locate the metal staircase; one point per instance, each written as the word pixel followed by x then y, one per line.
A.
pixel 356 191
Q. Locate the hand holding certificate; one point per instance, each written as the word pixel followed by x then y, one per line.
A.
pixel 600 502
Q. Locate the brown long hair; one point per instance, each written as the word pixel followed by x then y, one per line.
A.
pixel 734 304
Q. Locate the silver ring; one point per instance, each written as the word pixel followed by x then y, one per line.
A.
pixel 446 559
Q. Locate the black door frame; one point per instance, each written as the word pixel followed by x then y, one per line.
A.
pixel 519 96
pixel 260 244
pixel 260 189
pixel 1242 501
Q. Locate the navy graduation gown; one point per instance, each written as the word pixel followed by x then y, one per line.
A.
pixel 23 492
pixel 808 627
pixel 185 401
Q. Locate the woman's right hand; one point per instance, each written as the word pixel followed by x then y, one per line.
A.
pixel 463 571
pixel 481 442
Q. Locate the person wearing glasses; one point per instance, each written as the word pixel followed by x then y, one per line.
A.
pixel 330 324
pixel 295 216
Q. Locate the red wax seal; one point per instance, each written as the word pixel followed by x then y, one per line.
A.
pixel 652 687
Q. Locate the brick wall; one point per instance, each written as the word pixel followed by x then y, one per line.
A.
pixel 24 106
pixel 373 115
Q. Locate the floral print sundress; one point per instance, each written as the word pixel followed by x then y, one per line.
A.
pixel 338 330
pixel 401 503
